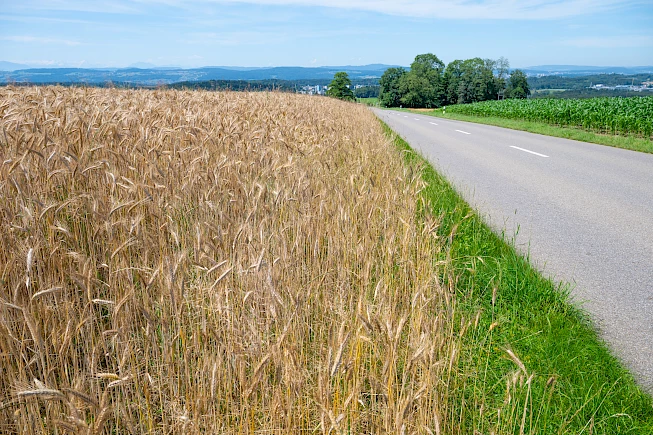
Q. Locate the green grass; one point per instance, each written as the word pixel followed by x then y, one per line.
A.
pixel 576 385
pixel 372 101
pixel 626 142
pixel 547 91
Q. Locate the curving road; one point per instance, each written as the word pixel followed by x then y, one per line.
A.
pixel 583 211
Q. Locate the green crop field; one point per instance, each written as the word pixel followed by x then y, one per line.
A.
pixel 629 116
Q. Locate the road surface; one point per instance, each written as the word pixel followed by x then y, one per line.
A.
pixel 583 211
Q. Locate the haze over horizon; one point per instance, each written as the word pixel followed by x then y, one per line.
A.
pixel 265 33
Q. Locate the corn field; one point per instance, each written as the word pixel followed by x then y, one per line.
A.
pixel 626 116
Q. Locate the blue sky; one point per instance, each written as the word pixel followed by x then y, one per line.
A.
pixel 88 33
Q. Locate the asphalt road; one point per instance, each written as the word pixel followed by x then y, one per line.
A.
pixel 583 211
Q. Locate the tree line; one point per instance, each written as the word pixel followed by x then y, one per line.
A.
pixel 576 94
pixel 429 84
pixel 584 82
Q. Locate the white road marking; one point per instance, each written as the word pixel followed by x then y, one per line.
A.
pixel 463 132
pixel 416 119
pixel 433 123
pixel 528 151
pixel 405 116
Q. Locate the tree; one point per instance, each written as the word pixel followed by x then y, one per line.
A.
pixel 452 78
pixel 475 78
pixel 423 85
pixel 518 85
pixel 502 69
pixel 339 87
pixel 367 92
pixel 478 81
pixel 390 94
pixel 429 84
pixel 472 80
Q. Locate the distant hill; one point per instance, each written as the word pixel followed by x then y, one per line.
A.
pixel 576 70
pixel 11 66
pixel 146 65
pixel 144 74
pixel 164 76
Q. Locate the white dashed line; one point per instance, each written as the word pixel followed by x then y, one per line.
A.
pixel 528 151
pixel 416 119
pixel 463 132
pixel 433 123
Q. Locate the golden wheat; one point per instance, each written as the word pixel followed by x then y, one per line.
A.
pixel 196 262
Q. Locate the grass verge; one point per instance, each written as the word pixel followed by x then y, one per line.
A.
pixel 371 101
pixel 626 142
pixel 566 381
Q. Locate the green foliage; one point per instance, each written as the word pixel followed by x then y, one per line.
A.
pixel 518 85
pixel 390 94
pixel 430 84
pixel 453 77
pixel 367 92
pixel 607 115
pixel 339 87
pixel 237 85
pixel 474 80
pixel 369 101
pixel 423 85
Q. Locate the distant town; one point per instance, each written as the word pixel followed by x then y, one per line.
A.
pixel 645 86
pixel 321 90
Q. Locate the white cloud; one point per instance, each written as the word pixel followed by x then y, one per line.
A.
pixel 455 9
pixel 634 41
pixel 40 40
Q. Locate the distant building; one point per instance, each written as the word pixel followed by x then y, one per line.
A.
pixel 313 90
pixel 645 86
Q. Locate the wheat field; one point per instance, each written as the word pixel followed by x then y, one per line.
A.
pixel 199 262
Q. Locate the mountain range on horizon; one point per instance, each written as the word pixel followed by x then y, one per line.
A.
pixel 586 70
pixel 149 75
pixel 169 75
pixel 12 66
